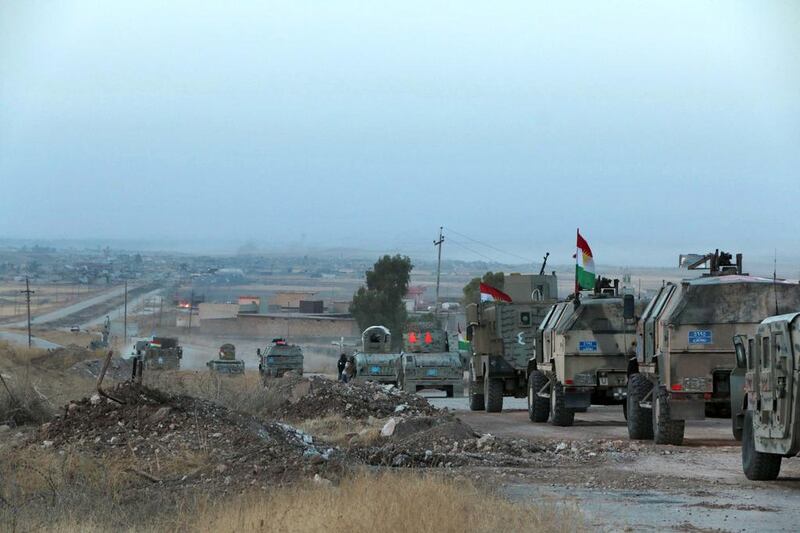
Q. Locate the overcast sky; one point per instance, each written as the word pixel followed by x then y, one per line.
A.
pixel 658 128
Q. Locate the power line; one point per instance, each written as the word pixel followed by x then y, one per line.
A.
pixel 464 246
pixel 495 248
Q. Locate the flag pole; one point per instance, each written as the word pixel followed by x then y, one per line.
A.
pixel 577 251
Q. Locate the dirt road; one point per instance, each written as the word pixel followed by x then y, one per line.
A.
pixel 695 487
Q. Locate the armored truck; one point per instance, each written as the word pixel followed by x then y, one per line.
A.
pixel 685 350
pixel 226 362
pixel 163 353
pixel 582 351
pixel 376 361
pixel 280 357
pixel 771 395
pixel 428 363
pixel 502 337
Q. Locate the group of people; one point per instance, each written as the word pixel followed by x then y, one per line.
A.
pixel 347 367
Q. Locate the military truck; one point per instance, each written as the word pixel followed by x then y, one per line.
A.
pixel 771 395
pixel 502 337
pixel 163 353
pixel 280 357
pixel 685 350
pixel 226 363
pixel 582 350
pixel 428 363
pixel 376 361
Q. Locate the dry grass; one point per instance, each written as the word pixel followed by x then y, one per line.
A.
pixel 340 431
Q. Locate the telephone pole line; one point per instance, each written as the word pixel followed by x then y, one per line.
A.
pixel 438 270
pixel 125 320
pixel 28 293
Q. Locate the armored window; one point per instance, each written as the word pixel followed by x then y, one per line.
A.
pixel 764 351
pixel 751 346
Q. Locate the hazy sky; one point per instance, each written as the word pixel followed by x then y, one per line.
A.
pixel 658 128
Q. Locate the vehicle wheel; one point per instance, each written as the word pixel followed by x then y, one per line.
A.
pixel 625 410
pixel 665 429
pixel 559 414
pixel 737 421
pixel 640 419
pixel 493 393
pixel 538 408
pixel 757 466
pixel 476 402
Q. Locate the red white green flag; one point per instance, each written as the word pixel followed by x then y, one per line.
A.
pixel 584 266
pixel 490 294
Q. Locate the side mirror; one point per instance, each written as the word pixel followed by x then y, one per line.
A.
pixel 741 353
pixel 628 307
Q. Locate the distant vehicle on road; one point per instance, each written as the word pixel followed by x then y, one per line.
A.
pixel 75 329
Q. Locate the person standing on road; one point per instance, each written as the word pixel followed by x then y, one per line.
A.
pixel 340 364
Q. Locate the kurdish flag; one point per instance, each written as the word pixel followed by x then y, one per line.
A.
pixel 584 266
pixel 490 294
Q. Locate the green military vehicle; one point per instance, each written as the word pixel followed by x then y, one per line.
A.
pixel 163 353
pixel 582 350
pixel 376 361
pixel 685 351
pixel 502 335
pixel 279 358
pixel 428 363
pixel 771 395
pixel 227 363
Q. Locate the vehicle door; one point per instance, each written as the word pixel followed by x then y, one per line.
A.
pixel 775 382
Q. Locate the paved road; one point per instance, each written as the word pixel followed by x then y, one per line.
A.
pixel 599 422
pixel 22 339
pixel 133 303
pixel 70 309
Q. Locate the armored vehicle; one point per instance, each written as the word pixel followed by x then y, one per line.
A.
pixel 428 363
pixel 279 358
pixel 771 395
pixel 226 363
pixel 685 350
pixel 376 361
pixel 502 335
pixel 140 347
pixel 582 350
pixel 163 353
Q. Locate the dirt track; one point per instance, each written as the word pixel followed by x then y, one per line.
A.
pixel 696 487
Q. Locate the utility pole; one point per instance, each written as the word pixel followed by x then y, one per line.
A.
pixel 125 321
pixel 191 304
pixel 438 270
pixel 28 293
pixel 160 308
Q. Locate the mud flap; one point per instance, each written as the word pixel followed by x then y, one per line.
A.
pixel 577 400
pixel 687 409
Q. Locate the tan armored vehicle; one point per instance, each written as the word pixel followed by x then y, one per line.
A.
pixel 685 350
pixel 582 354
pixel 771 429
pixel 502 337
pixel 226 363
pixel 376 361
pixel 428 363
pixel 163 353
pixel 280 357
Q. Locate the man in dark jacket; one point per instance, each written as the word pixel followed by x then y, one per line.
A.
pixel 340 365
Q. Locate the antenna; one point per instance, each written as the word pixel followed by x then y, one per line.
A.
pixel 544 264
pixel 775 279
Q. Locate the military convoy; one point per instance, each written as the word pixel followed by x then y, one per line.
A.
pixel 279 358
pixel 582 350
pixel 428 363
pixel 770 398
pixel 376 361
pixel 502 336
pixel 226 363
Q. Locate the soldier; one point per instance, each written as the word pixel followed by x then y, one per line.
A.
pixel 341 364
pixel 349 369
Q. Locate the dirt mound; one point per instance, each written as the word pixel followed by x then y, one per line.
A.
pixel 64 357
pixel 316 397
pixel 185 441
pixel 119 369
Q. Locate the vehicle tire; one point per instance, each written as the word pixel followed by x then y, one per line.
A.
pixel 493 393
pixel 640 419
pixel 665 429
pixel 559 414
pixel 538 408
pixel 737 427
pixel 757 466
pixel 476 402
pixel 625 410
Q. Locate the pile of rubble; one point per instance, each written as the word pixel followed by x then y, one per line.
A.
pixel 154 430
pixel 317 397
pixel 119 369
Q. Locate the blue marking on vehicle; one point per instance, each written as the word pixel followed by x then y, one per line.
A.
pixel 374 370
pixel 701 336
pixel 587 346
pixel 432 372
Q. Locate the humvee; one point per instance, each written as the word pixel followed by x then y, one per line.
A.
pixel 685 350
pixel 582 351
pixel 279 358
pixel 771 395
pixel 376 361
pixel 163 353
pixel 502 336
pixel 226 363
pixel 428 363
